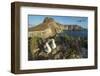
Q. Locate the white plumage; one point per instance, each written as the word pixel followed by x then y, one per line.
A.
pixel 48 48
pixel 53 44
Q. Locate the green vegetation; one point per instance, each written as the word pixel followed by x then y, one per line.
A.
pixel 34 42
pixel 68 47
pixel 72 53
pixel 67 37
pixel 33 46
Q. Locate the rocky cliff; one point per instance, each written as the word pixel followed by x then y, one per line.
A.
pixel 50 24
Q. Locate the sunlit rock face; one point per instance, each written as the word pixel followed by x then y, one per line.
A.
pixel 46 29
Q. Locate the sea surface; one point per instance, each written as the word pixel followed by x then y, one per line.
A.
pixel 83 33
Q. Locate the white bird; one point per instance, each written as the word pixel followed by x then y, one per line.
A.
pixel 53 44
pixel 47 48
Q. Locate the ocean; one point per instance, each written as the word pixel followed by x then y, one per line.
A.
pixel 82 33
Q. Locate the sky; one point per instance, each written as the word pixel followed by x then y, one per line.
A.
pixel 34 20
